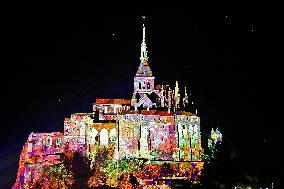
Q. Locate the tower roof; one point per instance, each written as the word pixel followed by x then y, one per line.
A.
pixel 144 70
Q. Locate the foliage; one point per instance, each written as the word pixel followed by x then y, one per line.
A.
pixel 220 168
pixel 80 167
pixel 98 174
pixel 54 176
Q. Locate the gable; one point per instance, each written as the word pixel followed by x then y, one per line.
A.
pixel 145 101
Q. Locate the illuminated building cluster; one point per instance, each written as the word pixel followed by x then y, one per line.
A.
pixel 215 136
pixel 152 136
pixel 213 141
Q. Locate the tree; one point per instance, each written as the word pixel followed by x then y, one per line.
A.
pixel 54 177
pixel 98 174
pixel 133 181
pixel 220 168
pixel 80 167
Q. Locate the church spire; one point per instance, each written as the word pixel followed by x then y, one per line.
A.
pixel 143 56
pixel 144 69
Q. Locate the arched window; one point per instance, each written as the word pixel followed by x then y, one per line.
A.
pixel 48 141
pixel 93 136
pixel 58 142
pixel 112 135
pixel 104 137
pixel 148 85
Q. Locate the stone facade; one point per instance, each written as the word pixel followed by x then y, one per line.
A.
pixel 154 124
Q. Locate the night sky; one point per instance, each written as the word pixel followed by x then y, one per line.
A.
pixel 59 65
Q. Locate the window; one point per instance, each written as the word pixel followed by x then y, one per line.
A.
pixel 104 137
pixel 112 135
pixel 48 141
pixel 94 134
pixel 58 142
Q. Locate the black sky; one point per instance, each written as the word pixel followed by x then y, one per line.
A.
pixel 58 66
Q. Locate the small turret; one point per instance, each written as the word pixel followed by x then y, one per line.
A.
pixel 133 100
pixel 176 96
pixel 185 99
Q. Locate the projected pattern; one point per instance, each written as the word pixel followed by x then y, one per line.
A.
pixel 154 129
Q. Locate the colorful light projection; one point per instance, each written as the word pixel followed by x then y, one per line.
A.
pixel 215 136
pixel 41 149
pixel 108 108
pixel 214 139
pixel 149 138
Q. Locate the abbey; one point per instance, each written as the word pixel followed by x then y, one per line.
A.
pixel 155 124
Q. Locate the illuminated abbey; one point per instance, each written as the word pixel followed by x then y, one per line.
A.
pixel 155 125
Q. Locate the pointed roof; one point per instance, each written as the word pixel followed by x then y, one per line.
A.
pixel 144 70
pixel 145 100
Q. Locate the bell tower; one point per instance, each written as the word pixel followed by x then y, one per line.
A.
pixel 143 80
